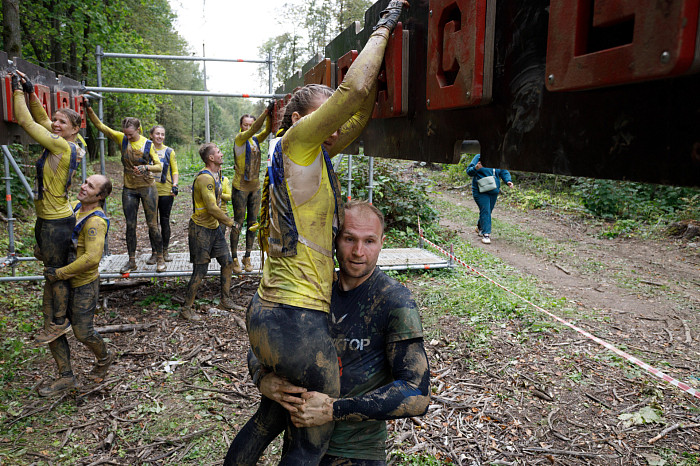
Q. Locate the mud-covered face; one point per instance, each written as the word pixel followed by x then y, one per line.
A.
pixel 246 124
pixel 131 133
pixel 358 246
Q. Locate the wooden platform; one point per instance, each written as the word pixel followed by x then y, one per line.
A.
pixel 389 259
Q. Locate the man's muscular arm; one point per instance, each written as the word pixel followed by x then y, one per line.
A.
pixel 408 395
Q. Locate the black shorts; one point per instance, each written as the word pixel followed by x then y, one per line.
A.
pixel 206 243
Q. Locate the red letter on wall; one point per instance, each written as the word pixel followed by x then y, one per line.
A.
pixel 44 95
pixel 460 53
pixel 343 64
pixel 79 106
pixel 597 43
pixel 7 106
pixel 392 96
pixel 323 73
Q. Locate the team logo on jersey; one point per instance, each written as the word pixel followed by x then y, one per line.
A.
pixel 92 232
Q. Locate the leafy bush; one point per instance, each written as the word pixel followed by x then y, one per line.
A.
pixel 401 201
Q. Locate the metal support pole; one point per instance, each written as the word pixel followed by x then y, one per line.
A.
pixel 370 186
pixel 10 220
pixel 100 108
pixel 349 177
pixel 336 167
pixel 207 134
pixel 25 183
pixel 83 168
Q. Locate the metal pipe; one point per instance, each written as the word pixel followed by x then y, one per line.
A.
pixel 100 108
pixel 370 186
pixel 349 177
pixel 207 132
pixel 178 57
pixel 25 183
pixel 130 90
pixel 337 164
pixel 10 219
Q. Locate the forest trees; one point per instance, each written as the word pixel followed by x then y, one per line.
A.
pixel 314 23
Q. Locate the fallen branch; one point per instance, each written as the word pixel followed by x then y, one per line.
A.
pixel 239 321
pixel 670 429
pixel 123 328
pixel 215 390
pixel 561 268
pixel 584 454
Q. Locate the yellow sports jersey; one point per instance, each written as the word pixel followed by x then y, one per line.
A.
pixel 54 204
pixel 246 151
pixel 305 279
pixel 134 155
pixel 206 196
pixel 165 189
pixel 226 191
pixel 91 242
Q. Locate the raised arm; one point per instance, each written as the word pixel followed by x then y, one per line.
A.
pixel 243 136
pixel 354 126
pixel 115 136
pixel 53 142
pixel 471 168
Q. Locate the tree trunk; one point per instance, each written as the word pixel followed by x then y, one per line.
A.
pixel 11 28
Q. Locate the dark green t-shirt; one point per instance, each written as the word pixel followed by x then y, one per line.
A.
pixel 363 321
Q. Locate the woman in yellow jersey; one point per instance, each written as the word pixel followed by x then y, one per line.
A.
pixel 167 187
pixel 140 161
pixel 246 182
pixel 55 219
pixel 287 319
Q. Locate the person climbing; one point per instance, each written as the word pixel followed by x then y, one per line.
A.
pixel 140 161
pixel 486 184
pixel 167 188
pixel 55 219
pixel 287 318
pixel 246 182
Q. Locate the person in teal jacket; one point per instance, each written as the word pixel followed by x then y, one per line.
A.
pixel 486 200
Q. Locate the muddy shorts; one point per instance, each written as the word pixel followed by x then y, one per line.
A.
pixel 205 243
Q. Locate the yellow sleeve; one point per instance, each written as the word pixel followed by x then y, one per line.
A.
pixel 157 166
pixel 38 112
pixel 173 163
pixel 226 190
pixel 53 142
pixel 116 136
pixel 94 232
pixel 243 136
pixel 206 191
pixel 262 135
pixel 354 126
pixel 301 141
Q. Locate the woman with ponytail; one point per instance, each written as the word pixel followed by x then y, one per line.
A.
pixel 287 319
pixel 140 161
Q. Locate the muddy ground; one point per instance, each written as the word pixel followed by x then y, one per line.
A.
pixel 180 391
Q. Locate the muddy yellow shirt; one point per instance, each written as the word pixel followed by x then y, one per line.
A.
pixel 134 156
pixel 226 192
pixel 165 189
pixel 247 146
pixel 85 268
pixel 207 198
pixel 54 204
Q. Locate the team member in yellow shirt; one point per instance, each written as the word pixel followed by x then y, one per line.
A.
pixel 55 219
pixel 167 187
pixel 287 319
pixel 88 240
pixel 246 182
pixel 140 161
pixel 205 237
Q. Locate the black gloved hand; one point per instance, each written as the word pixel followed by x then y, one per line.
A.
pixel 16 85
pixel 174 190
pixel 390 16
pixel 27 86
pixel 271 108
pixel 87 102
pixel 50 274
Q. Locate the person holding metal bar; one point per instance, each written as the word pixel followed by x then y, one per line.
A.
pixel 246 181
pixel 140 161
pixel 206 237
pixel 302 209
pixel 87 243
pixel 167 187
pixel 55 220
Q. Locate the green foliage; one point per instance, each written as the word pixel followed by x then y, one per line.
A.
pixel 401 202
pixel 416 459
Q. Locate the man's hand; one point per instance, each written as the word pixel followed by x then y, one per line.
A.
pixel 140 170
pixel 50 274
pixel 316 410
pixel 16 86
pixel 86 99
pixel 280 390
